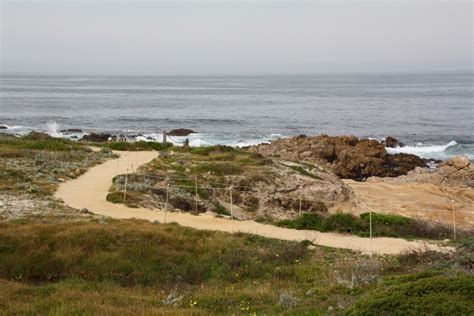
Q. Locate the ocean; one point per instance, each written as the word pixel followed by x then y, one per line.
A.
pixel 431 112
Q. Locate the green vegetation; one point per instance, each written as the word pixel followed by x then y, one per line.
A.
pixel 215 151
pixel 221 210
pixel 419 294
pixel 22 146
pixel 218 168
pixel 386 219
pixel 134 252
pixel 304 172
pixel 115 197
pixel 215 168
pixel 136 267
pixel 37 163
pixel 382 225
pixel 136 146
pixel 92 265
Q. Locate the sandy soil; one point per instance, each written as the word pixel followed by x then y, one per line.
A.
pixel 417 200
pixel 89 191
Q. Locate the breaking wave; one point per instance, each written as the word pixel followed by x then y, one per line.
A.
pixel 445 151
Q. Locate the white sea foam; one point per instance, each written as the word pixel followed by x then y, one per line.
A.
pixel 53 130
pixel 425 151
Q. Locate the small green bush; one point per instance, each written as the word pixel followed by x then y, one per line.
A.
pixel 426 295
pixel 386 219
pixel 382 225
pixel 221 209
pixel 312 221
pixel 137 146
pixel 344 223
pixel 115 197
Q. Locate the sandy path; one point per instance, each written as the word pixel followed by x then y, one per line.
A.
pixel 90 189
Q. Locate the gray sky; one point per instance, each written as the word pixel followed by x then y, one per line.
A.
pixel 120 37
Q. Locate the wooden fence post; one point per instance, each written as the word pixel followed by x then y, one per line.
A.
pixel 126 182
pixel 231 205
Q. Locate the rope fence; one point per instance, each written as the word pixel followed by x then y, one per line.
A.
pixel 217 188
pixel 230 186
pixel 224 187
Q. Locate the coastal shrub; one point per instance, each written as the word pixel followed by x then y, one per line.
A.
pixel 137 146
pixel 138 253
pixel 343 223
pixel 219 168
pixel 422 294
pixel 188 185
pixel 37 166
pixel 115 197
pixel 462 259
pixel 221 209
pixel 386 219
pixel 48 144
pixel 304 172
pixel 111 266
pixel 206 151
pixel 312 221
pixel 382 225
pixel 397 225
pixel 339 222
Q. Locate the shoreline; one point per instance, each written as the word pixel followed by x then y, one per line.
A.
pixel 437 151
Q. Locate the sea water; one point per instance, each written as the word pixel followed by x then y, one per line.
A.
pixel 431 112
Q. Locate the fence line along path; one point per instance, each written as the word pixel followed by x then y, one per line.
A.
pixel 90 191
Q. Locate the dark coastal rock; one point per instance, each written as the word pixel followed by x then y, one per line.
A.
pixel 96 137
pixel 181 132
pixel 71 130
pixel 348 156
pixel 3 127
pixel 392 142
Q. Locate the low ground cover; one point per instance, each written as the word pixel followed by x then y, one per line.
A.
pixel 110 266
pixel 383 225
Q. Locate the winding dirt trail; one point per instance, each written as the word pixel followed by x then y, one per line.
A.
pixel 90 189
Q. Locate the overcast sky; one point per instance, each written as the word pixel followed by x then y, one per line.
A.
pixel 235 37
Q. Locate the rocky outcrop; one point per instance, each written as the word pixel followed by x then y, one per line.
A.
pixel 95 137
pixel 348 156
pixel 71 130
pixel 181 132
pixel 392 142
pixel 3 127
pixel 456 172
pixel 458 162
